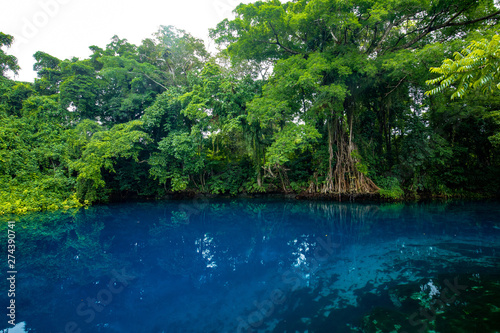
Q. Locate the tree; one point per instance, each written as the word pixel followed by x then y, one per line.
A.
pixel 101 150
pixel 179 160
pixel 164 116
pixel 291 138
pixel 217 107
pixel 33 159
pixel 133 76
pixel 345 104
pixel 7 62
pixel 475 67
pixel 48 72
pixel 14 96
pixel 178 53
pixel 129 88
pixel 325 52
pixel 80 90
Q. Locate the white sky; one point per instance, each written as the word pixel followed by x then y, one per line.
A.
pixel 66 28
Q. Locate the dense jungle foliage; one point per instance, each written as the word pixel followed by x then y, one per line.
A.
pixel 317 96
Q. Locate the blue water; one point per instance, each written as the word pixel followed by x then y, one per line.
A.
pixel 257 265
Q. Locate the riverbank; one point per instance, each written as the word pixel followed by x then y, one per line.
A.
pixel 20 207
pixel 339 197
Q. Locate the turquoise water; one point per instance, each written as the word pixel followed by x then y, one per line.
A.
pixel 258 266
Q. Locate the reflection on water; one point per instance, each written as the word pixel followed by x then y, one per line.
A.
pixel 260 266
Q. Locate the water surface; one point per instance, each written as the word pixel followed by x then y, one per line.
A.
pixel 259 266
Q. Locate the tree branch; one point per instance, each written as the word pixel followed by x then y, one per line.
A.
pixel 397 85
pixel 333 36
pixel 384 36
pixel 448 23
pixel 161 85
pixel 278 41
pixel 474 21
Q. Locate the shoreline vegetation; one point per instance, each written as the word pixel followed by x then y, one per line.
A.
pixel 374 197
pixel 311 99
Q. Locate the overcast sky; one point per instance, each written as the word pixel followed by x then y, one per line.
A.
pixel 66 28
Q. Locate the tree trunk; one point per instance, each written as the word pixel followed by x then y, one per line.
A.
pixel 259 177
pixel 345 177
pixel 387 134
pixel 329 184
